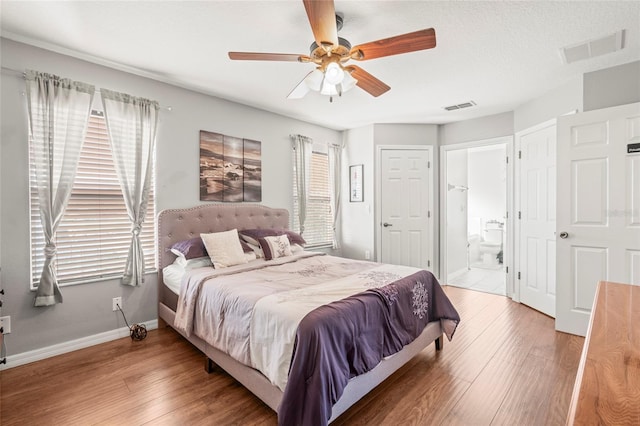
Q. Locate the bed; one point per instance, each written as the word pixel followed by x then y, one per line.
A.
pixel 177 225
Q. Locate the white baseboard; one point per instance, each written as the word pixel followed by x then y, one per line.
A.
pixel 70 346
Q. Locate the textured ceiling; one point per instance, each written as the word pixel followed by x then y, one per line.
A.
pixel 498 54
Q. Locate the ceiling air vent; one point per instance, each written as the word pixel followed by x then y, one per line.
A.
pixel 592 48
pixel 460 106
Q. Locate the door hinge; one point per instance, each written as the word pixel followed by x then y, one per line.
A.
pixel 428 263
pixel 429 213
pixel 506 269
pixel 428 164
pixel 519 155
pixel 506 216
pixel 518 275
pixel 507 160
pixel 519 215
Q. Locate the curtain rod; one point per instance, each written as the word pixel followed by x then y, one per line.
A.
pixel 23 74
pixel 328 143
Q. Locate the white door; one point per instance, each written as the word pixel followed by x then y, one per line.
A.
pixel 405 210
pixel 536 219
pixel 598 208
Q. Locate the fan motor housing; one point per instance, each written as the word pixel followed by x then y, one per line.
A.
pixel 342 50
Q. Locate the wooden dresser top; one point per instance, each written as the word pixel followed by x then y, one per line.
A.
pixel 607 389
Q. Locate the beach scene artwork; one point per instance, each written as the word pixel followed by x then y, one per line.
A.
pixel 252 169
pixel 230 168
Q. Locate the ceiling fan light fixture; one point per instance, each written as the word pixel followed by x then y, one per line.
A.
pixel 325 87
pixel 329 89
pixel 334 74
pixel 330 52
pixel 348 82
pixel 314 80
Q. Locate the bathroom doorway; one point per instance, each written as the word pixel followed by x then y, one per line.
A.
pixel 476 181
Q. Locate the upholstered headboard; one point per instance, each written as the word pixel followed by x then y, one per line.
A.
pixel 180 224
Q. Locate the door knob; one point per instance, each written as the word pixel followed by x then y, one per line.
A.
pixel 387 224
pixel 564 235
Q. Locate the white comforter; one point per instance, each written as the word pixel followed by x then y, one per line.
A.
pixel 252 311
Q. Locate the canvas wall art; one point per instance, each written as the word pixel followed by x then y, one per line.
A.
pixel 230 168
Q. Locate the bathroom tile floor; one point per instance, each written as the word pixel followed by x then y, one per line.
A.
pixel 481 279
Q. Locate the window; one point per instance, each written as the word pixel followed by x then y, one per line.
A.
pixel 94 235
pixel 318 230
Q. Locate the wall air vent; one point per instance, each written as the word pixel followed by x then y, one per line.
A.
pixel 592 48
pixel 460 106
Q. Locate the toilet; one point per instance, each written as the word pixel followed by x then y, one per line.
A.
pixel 492 243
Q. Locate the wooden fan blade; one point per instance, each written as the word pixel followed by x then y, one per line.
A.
pixel 251 56
pixel 322 17
pixel 405 43
pixel 367 82
pixel 300 90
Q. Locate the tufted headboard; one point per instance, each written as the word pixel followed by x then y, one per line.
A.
pixel 180 224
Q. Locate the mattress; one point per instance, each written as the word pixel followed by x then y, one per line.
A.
pixel 172 276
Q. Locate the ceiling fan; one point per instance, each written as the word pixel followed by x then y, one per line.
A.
pixel 331 53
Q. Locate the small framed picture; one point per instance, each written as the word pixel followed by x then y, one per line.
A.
pixel 355 183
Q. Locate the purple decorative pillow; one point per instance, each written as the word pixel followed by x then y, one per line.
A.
pixel 194 248
pixel 245 247
pixel 253 236
pixel 190 249
pixel 294 237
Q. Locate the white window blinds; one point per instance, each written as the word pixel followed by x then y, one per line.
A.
pixel 94 235
pixel 318 229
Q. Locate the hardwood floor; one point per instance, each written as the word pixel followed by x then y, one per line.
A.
pixel 505 365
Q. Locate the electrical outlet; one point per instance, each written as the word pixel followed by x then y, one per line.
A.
pixel 367 254
pixel 5 323
pixel 117 301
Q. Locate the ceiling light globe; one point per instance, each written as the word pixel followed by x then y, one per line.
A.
pixel 349 82
pixel 334 74
pixel 328 89
pixel 314 80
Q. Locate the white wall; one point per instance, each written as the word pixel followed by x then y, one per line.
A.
pixel 557 101
pixel 457 210
pixel 405 134
pixel 489 127
pixel 612 86
pixel 357 218
pixel 87 308
pixel 487 184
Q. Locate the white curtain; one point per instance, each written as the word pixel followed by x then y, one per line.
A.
pixel 58 111
pixel 132 123
pixel 302 150
pixel 335 182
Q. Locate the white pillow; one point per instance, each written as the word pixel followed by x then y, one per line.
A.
pixel 224 248
pixel 296 248
pixel 197 262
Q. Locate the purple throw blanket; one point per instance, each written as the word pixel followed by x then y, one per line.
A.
pixel 343 339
